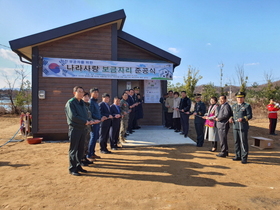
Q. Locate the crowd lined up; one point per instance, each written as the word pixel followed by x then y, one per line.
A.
pixel 216 120
pixel 90 121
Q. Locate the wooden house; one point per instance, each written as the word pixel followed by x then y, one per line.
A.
pixel 99 38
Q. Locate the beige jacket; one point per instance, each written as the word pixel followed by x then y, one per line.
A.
pixel 176 104
pixel 169 104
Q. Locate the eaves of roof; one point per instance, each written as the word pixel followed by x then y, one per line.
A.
pixel 23 46
pixel 149 47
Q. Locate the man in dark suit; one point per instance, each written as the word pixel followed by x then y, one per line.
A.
pixel 115 128
pixel 224 113
pixel 184 108
pixel 199 111
pixel 135 98
pixel 132 105
pixel 106 124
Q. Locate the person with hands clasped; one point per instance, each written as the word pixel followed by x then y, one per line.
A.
pixel 242 113
pixel 94 134
pixel 116 121
pixel 184 108
pixel 176 113
pixel 77 119
pixel 211 133
pixel 223 115
pixel 199 112
pixel 106 121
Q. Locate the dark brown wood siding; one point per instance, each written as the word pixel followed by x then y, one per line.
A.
pixel 129 51
pixel 152 112
pixel 94 44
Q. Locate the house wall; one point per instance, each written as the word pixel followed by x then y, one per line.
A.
pixel 95 45
pixel 127 51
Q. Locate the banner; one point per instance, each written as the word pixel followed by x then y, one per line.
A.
pixel 80 68
pixel 152 91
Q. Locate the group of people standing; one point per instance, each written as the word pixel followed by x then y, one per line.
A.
pixel 216 121
pixel 90 121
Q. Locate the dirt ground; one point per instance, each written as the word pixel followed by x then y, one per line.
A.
pixel 175 177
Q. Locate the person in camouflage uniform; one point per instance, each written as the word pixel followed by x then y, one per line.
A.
pixel 242 113
pixel 124 106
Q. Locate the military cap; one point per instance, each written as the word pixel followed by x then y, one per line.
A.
pixel 197 95
pixel 136 88
pixel 93 89
pixel 240 95
pixel 105 95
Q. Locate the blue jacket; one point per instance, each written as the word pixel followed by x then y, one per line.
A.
pixel 94 109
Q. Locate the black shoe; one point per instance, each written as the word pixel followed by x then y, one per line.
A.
pixel 84 163
pixel 213 150
pixel 106 152
pixel 176 131
pixel 138 127
pixel 171 128
pixel 75 173
pixel 236 158
pixel 185 136
pixel 87 161
pixel 221 155
pixel 182 133
pixel 80 169
pixel 244 161
pixel 130 133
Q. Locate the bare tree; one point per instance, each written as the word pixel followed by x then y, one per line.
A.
pixel 241 77
pixel 11 88
pixel 221 80
pixel 20 74
pixel 191 80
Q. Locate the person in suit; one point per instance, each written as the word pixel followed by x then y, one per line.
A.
pixel 77 119
pixel 137 109
pixel 199 112
pixel 242 113
pixel 132 105
pixel 211 131
pixel 223 115
pixel 115 127
pixel 184 108
pixel 106 124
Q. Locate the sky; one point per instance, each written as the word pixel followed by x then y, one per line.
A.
pixel 203 33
